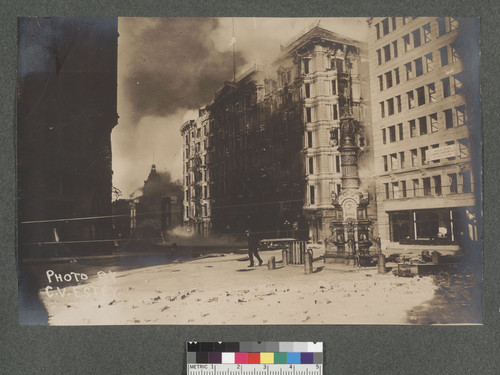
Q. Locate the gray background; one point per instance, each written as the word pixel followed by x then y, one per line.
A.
pixel 160 349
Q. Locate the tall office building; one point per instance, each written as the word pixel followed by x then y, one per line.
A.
pixel 426 130
pixel 197 208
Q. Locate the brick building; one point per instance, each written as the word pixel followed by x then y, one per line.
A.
pixel 426 131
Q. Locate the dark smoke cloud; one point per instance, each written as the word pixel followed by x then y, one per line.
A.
pixel 172 63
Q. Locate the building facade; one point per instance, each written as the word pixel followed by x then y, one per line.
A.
pixel 197 207
pixel 65 114
pixel 328 75
pixel 256 166
pixel 426 130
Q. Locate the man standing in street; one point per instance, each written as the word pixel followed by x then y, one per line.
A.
pixel 253 247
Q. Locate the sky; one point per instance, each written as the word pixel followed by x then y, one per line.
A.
pixel 168 68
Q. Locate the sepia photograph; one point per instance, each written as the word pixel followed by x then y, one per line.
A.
pixel 249 171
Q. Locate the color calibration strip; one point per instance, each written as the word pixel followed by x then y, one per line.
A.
pixel 243 357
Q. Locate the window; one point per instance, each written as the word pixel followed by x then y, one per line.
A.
pixel 379 56
pixel 388 79
pixel 385 26
pixel 308 90
pixel 396 75
pixel 423 155
pixel 335 112
pixel 409 71
pixel 309 139
pixel 431 88
pixel 306 66
pixel 392 133
pixel 458 83
pixel 329 111
pixel 403 189
pixel 427 32
pixel 453 183
pixel 433 147
pixel 381 83
pixel 308 115
pixel 377 28
pixel 433 120
pixel 413 128
pixel 454 54
pixel 400 127
pixel 401 226
pixel 464 147
pixel 416 187
pixel 466 182
pixel 334 87
pixel 395 48
pixel 422 124
pixel 387 53
pixel 384 138
pixel 386 185
pixel 384 158
pixel 411 99
pixel 406 43
pixel 398 102
pixel 414 158
pixel 441 26
pixel 395 190
pixel 311 194
pixel 390 107
pixel 460 115
pixel 437 185
pixel 427 185
pixel 382 110
pixel 337 163
pixel 446 87
pixel 311 165
pixel 429 62
pixel 421 96
pixel 444 55
pixel 402 159
pixel 419 69
pixel 416 38
pixel 448 118
pixel 393 19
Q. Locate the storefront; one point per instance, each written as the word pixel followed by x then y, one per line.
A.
pixel 440 226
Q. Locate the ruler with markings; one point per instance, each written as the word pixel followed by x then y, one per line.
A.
pixel 254 358
pixel 252 369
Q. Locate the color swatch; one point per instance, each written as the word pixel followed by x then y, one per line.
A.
pixel 254 353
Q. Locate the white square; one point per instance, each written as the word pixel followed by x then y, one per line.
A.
pixel 228 358
pixel 315 347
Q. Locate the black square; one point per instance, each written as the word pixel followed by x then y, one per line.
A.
pixel 206 346
pixel 220 347
pixel 193 346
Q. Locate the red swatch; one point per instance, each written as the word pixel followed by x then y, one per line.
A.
pixel 253 358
